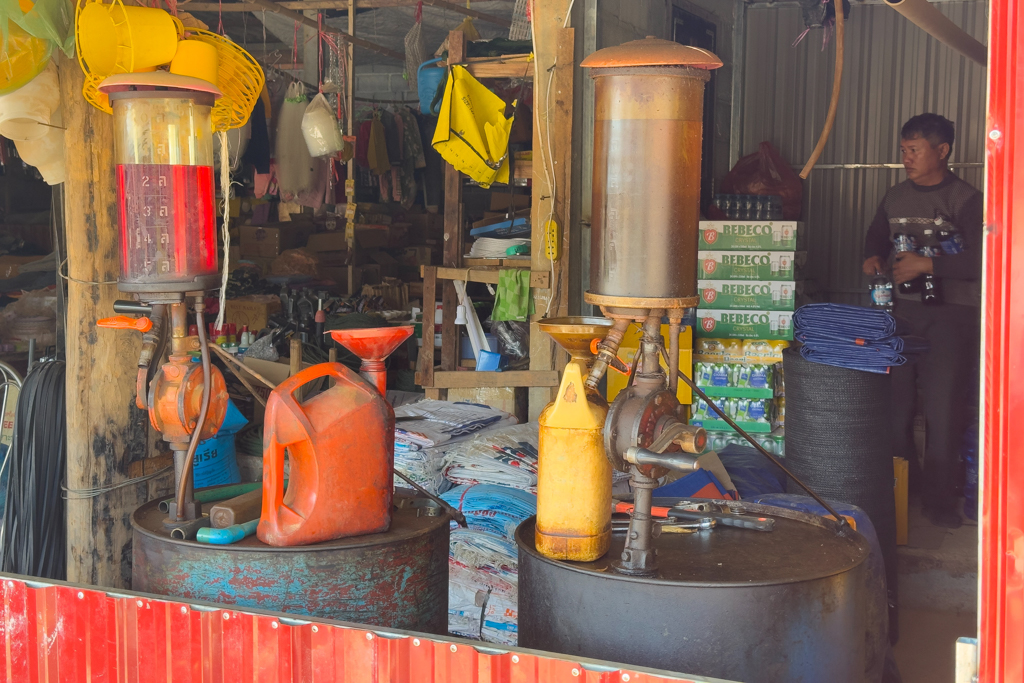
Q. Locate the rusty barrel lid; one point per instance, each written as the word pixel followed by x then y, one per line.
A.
pixel 652 51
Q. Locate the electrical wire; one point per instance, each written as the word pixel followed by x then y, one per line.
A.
pixel 34 526
pixel 85 494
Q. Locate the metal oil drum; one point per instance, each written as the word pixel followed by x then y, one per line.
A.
pixel 396 579
pixel 649 98
pixel 786 606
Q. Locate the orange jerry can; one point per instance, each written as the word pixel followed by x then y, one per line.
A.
pixel 341 451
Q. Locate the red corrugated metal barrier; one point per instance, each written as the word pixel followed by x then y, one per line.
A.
pixel 59 632
pixel 1001 567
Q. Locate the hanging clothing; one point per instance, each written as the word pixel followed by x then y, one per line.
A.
pixel 363 144
pixel 258 151
pixel 377 154
pixel 412 141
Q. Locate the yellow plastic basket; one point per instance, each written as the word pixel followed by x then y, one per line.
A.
pixel 125 55
pixel 239 78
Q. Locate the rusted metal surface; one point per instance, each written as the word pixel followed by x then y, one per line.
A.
pixel 779 607
pixel 647 149
pixel 61 633
pixel 652 51
pixel 396 579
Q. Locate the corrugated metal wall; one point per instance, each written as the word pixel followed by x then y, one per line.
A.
pixel 893 70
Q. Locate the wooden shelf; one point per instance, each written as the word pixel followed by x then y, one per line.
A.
pixel 486 274
pixel 470 379
pixel 505 66
pixel 474 262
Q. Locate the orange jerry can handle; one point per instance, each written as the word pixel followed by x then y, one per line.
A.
pixel 273 453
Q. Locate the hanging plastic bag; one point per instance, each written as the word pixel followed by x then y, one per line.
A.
pixel 295 167
pixel 415 51
pixel 26 113
pixel 320 128
pixel 22 57
pixel 766 172
pixel 46 153
pixel 472 131
pixel 50 20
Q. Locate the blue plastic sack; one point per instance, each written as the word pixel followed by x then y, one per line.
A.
pixel 215 463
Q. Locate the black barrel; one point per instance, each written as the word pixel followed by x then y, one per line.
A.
pixel 839 442
pixel 785 606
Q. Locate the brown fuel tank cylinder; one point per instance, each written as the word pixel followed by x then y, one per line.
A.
pixel 649 98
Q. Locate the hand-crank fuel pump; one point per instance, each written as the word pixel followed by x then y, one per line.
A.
pixel 643 268
pixel 163 146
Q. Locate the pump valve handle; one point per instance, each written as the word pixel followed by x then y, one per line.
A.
pixel 123 322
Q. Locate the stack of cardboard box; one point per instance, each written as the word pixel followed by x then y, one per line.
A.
pixel 745 317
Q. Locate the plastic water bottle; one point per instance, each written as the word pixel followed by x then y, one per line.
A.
pixel 969 454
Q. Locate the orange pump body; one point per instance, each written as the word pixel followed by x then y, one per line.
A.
pixel 341 451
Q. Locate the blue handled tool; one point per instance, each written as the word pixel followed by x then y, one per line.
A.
pixel 227 535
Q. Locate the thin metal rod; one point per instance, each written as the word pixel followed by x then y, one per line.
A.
pixel 454 512
pixel 231 359
pixel 244 381
pixel 721 413
pixel 204 407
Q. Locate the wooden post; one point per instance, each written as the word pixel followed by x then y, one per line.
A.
pixel 106 432
pixel 454 240
pixel 350 127
pixel 552 121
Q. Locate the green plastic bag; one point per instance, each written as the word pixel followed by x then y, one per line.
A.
pixel 48 19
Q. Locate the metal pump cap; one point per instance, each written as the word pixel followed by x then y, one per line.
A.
pixel 652 51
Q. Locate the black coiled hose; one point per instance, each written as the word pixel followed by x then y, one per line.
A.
pixel 34 528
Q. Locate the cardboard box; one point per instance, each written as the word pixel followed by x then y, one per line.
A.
pixel 421 255
pixel 9 264
pixel 388 264
pixel 254 310
pixel 380 236
pixel 268 242
pixel 372 274
pixel 327 241
pixel 776 266
pixel 745 324
pixel 750 235
pixel 340 276
pixel 423 226
pixel 333 259
pixel 501 199
pixel 755 295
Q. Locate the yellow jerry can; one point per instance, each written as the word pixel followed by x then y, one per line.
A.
pixel 574 480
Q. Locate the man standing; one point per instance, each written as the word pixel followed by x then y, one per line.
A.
pixel 942 217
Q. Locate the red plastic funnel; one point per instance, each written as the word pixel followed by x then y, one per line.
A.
pixel 373 345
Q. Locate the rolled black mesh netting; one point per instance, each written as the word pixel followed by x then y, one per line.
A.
pixel 838 441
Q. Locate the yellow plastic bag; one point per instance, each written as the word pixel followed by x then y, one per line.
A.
pixel 472 131
pixel 22 58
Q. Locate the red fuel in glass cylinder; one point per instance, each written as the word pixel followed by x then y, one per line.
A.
pixel 168 229
pixel 163 147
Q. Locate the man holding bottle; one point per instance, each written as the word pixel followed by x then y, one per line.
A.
pixel 931 224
